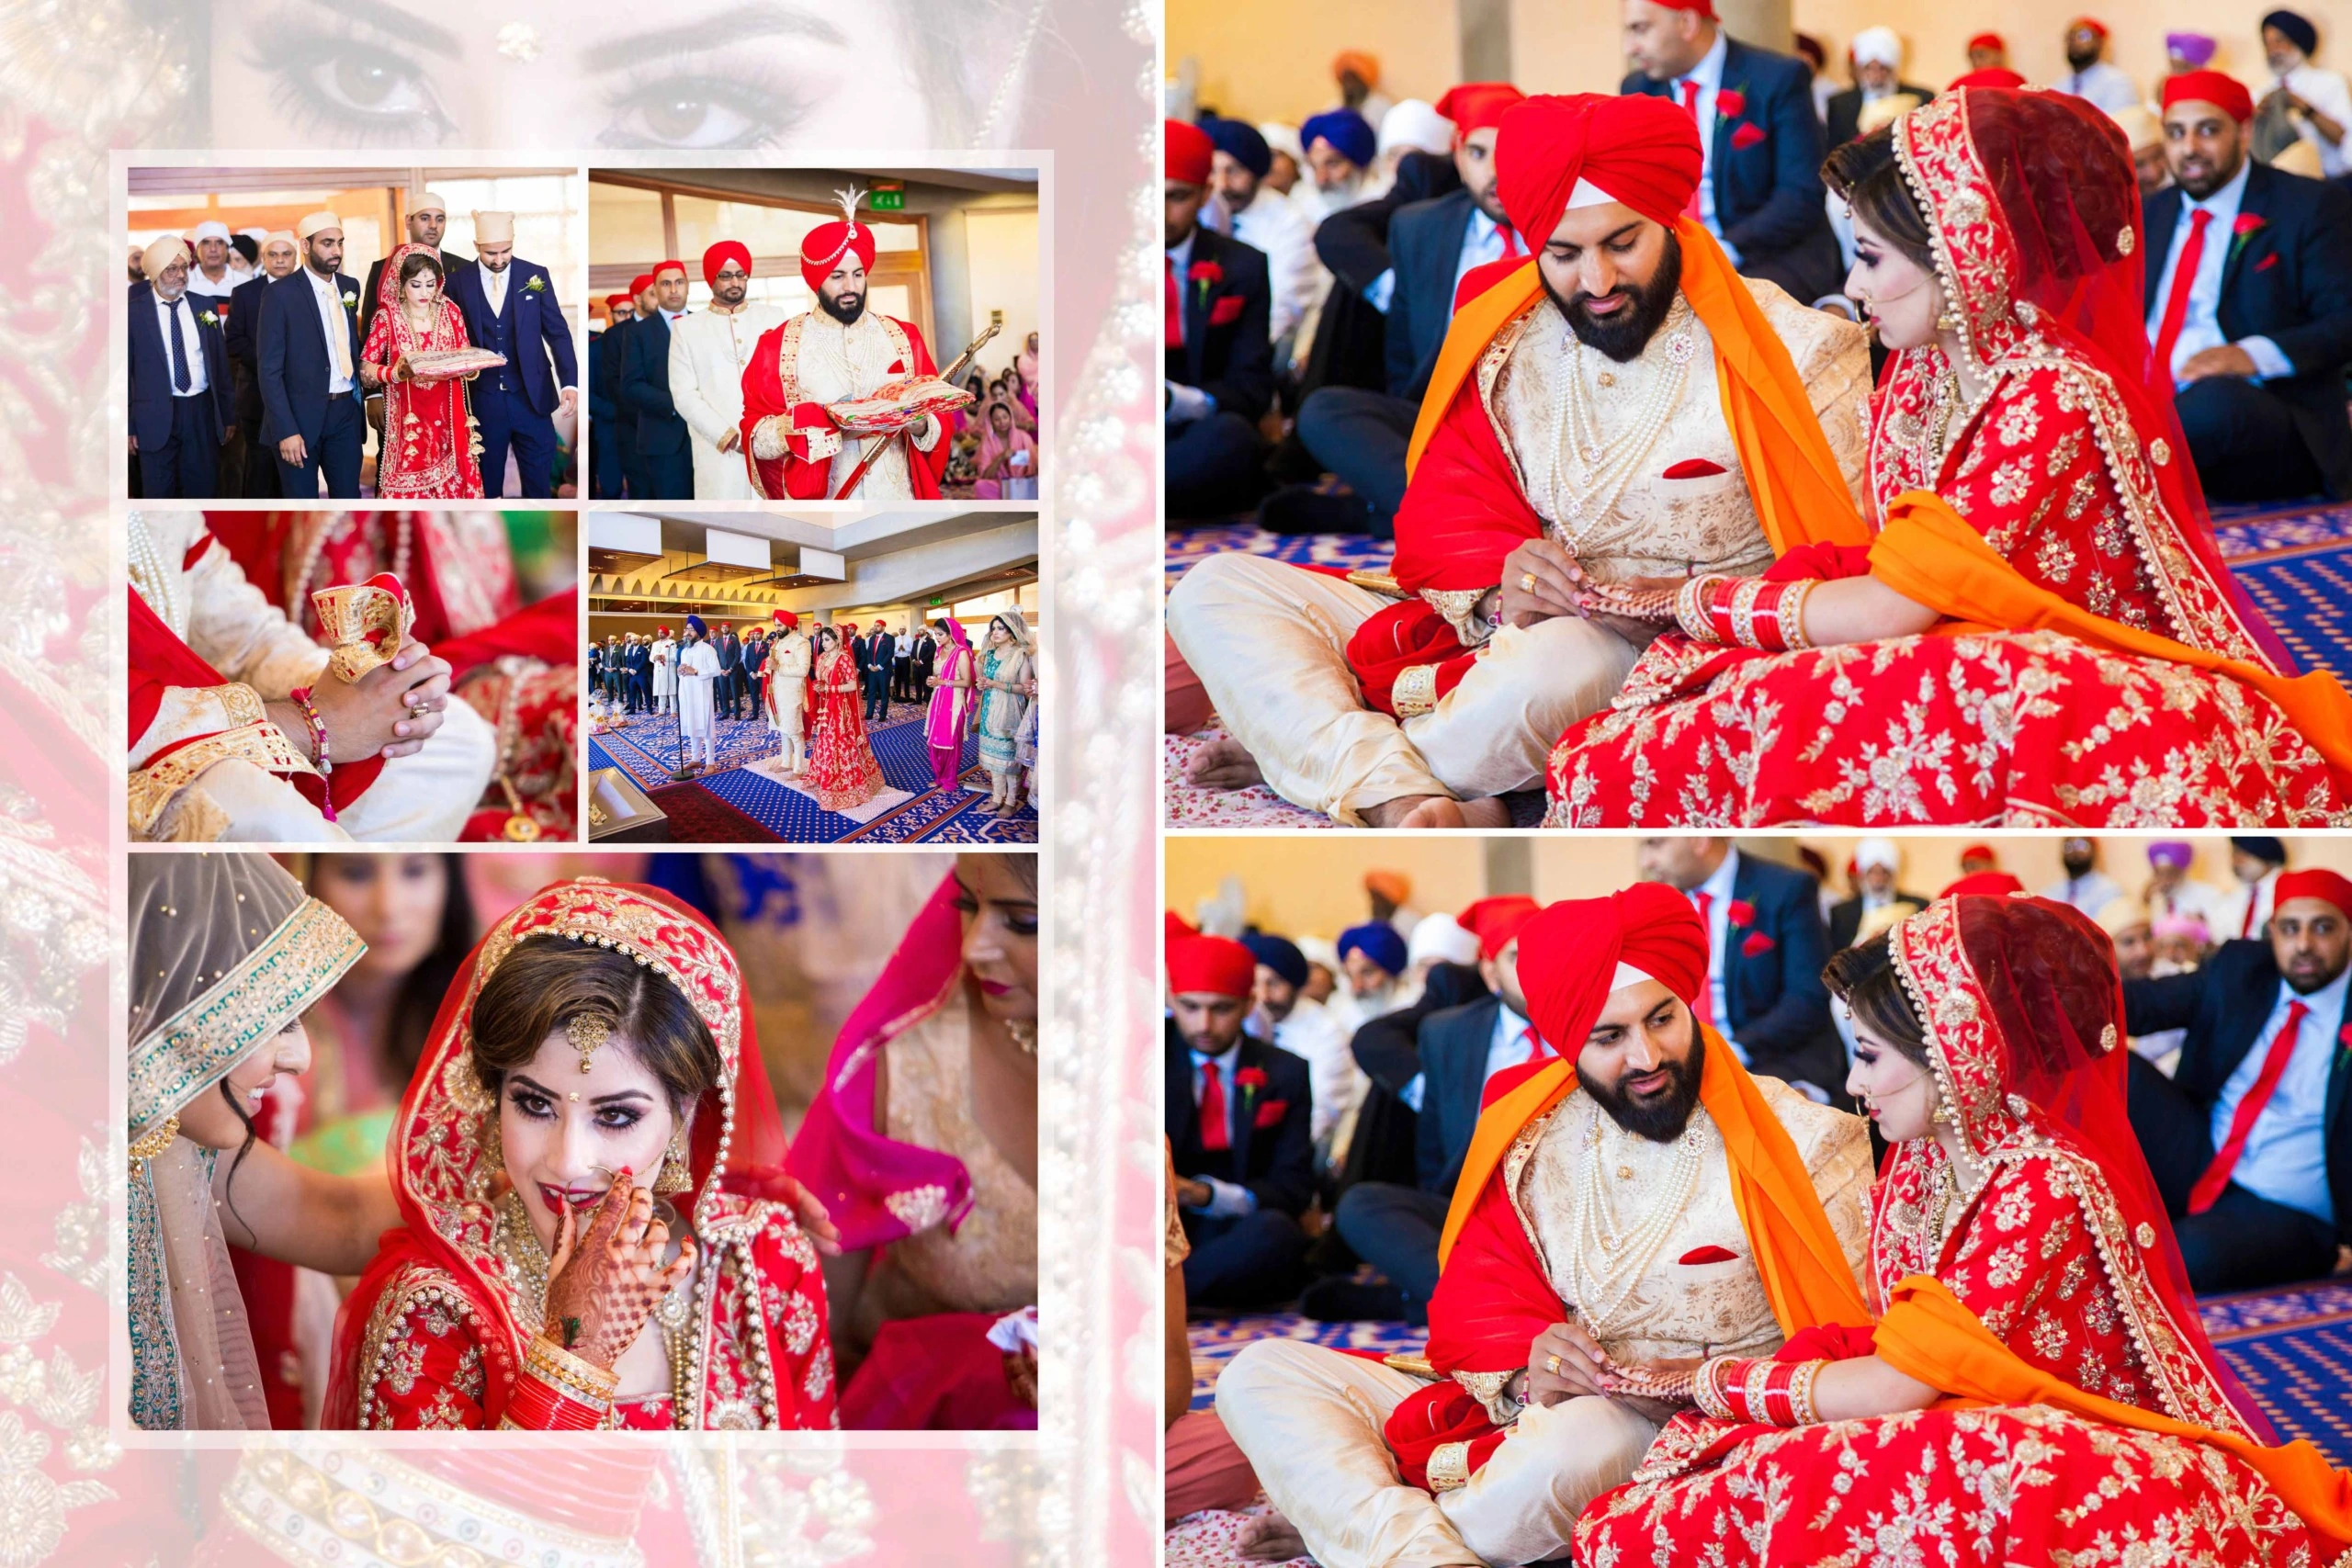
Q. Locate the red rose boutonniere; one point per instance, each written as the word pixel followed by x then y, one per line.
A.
pixel 1730 103
pixel 1206 275
pixel 2344 1037
pixel 2247 227
pixel 1742 912
pixel 1250 1080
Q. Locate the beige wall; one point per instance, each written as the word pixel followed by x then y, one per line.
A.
pixel 1313 884
pixel 1272 59
pixel 1002 258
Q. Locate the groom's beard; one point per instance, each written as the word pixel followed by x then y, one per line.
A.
pixel 1624 336
pixel 1663 1120
pixel 844 308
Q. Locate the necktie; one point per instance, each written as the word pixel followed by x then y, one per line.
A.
pixel 1217 1133
pixel 2184 275
pixel 180 379
pixel 1690 107
pixel 1531 1043
pixel 1703 1006
pixel 2209 1186
pixel 1173 309
pixel 338 336
pixel 1511 247
pixel 2253 894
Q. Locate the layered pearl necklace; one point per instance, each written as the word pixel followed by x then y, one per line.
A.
pixel 1607 1260
pixel 1598 469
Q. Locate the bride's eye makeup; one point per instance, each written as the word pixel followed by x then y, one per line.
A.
pixel 332 76
pixel 612 1116
pixel 702 103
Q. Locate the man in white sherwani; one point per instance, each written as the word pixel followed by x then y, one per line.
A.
pixel 665 672
pixel 708 353
pixel 219 760
pixel 697 675
pixel 787 673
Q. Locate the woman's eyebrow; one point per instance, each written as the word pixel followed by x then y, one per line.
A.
pixel 751 21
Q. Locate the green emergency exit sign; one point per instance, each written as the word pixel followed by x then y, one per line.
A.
pixel 888 198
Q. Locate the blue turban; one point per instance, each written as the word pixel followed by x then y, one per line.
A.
pixel 2270 851
pixel 1349 132
pixel 693 625
pixel 1280 955
pixel 1376 941
pixel 2304 36
pixel 1239 141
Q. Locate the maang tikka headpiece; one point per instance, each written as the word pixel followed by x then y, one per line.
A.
pixel 586 1033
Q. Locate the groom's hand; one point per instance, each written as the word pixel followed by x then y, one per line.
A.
pixel 1538 583
pixel 1564 1363
pixel 390 711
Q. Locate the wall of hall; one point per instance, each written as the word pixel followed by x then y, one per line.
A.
pixel 1272 59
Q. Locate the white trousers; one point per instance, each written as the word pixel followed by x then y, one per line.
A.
pixel 1270 644
pixel 1310 1421
pixel 423 798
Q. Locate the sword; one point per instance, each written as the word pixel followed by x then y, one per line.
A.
pixel 955 367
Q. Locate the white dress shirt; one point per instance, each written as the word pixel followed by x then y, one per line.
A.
pixel 1708 74
pixel 2246 911
pixel 1226 1198
pixel 1482 242
pixel 2327 92
pixel 1186 404
pixel 493 286
pixel 1719 895
pixel 180 315
pixel 2089 893
pixel 2201 328
pixel 203 287
pixel 1296 278
pixel 1512 1043
pixel 2285 1157
pixel 332 320
pixel 2102 84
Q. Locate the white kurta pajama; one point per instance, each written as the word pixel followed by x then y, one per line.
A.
pixel 697 668
pixel 787 669
pixel 1310 1418
pixel 244 796
pixel 665 674
pixel 1269 641
pixel 707 352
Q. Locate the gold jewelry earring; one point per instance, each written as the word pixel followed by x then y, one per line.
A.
pixel 586 1031
pixel 674 1177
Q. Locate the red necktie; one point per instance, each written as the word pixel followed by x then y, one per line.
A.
pixel 1174 309
pixel 1511 247
pixel 1217 1134
pixel 2184 275
pixel 1703 1006
pixel 1690 91
pixel 2252 893
pixel 2274 1068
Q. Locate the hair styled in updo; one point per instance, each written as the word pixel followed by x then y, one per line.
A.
pixel 548 981
pixel 421 261
pixel 1865 977
pixel 1865 172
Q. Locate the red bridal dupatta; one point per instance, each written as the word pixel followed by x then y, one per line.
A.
pixel 1493 1297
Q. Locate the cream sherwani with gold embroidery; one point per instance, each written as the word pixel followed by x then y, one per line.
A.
pixel 1311 1419
pixel 1270 641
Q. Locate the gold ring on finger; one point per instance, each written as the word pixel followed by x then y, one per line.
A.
pixel 1527 583
pixel 1551 1364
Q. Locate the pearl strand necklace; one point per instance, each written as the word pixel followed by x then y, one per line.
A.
pixel 1604 467
pixel 1607 1262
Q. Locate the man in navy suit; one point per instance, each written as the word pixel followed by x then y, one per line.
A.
pixel 662 454
pixel 280 257
pixel 509 307
pixel 307 360
pixel 2249 303
pixel 881 651
pixel 1218 370
pixel 1237 1121
pixel 1766 950
pixel 1392 1227
pixel 727 693
pixel 641 673
pixel 2249 1139
pixel 604 411
pixel 1361 435
pixel 1760 193
pixel 620 431
pixel 180 407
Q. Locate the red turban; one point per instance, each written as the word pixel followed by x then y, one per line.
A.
pixel 1557 151
pixel 2329 886
pixel 1189 149
pixel 1705 7
pixel 639 284
pixel 1978 851
pixel 1174 928
pixel 613 299
pixel 1474 106
pixel 1495 921
pixel 1569 954
pixel 827 244
pixel 1991 77
pixel 661 268
pixel 1212 964
pixel 2226 93
pixel 1988 40
pixel 2093 23
pixel 788 620
pixel 1992 882
pixel 716 258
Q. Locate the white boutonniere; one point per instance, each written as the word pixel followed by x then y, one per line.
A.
pixel 351 303
pixel 537 286
pixel 209 318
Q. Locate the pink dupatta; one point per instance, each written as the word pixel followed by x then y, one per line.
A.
pixel 950 709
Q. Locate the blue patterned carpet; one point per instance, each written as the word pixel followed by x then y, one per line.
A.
pixel 648 749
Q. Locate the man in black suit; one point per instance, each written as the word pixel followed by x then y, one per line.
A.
pixel 307 356
pixel 902 666
pixel 2258 331
pixel 180 407
pixel 2249 1139
pixel 881 648
pixel 1361 435
pixel 640 674
pixel 755 663
pixel 1876 54
pixel 662 455
pixel 1765 955
pixel 1218 370
pixel 603 413
pixel 280 257
pixel 1760 192
pixel 1237 1122
pixel 926 661
pixel 621 429
pixel 428 219
pixel 1394 1227
pixel 1876 863
pixel 727 691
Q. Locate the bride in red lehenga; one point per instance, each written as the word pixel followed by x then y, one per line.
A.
pixel 2038 1388
pixel 2042 631
pixel 427 451
pixel 841 771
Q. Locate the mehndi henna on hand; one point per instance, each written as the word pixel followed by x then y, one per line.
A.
pixel 606 1276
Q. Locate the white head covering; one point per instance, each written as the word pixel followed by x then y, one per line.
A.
pixel 1878 46
pixel 1879 852
pixel 1414 123
pixel 428 201
pixel 161 255
pixel 257 234
pixel 311 223
pixel 1441 937
pixel 1627 975
pixel 274 235
pixel 212 229
pixel 1320 949
pixel 1284 139
pixel 493 228
pixel 2141 128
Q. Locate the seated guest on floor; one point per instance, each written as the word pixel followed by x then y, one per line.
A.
pixel 1395 1227
pixel 1342 146
pixel 1361 434
pixel 2256 861
pixel 1759 190
pixel 2251 1150
pixel 1633 1168
pixel 2085 887
pixel 2089 73
pixel 1877 902
pixel 1218 376
pixel 1282 1015
pixel 1387 1050
pixel 1260 218
pixel 1877 54
pixel 2250 304
pixel 2172 891
pixel 2144 130
pixel 1237 1116
pixel 2314 104
pixel 1200 1466
pixel 1373 960
pixel 1424 712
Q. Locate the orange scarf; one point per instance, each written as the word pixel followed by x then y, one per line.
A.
pixel 1927 552
pixel 1926 1334
pixel 1799 490
pixel 1803 1268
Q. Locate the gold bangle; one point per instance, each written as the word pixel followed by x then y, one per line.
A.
pixel 1743 610
pixel 571 1375
pixel 1691 608
pixel 1801 1410
pixel 1793 614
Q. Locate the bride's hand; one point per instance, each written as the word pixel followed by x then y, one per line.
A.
pixel 606 1276
pixel 1666 1380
